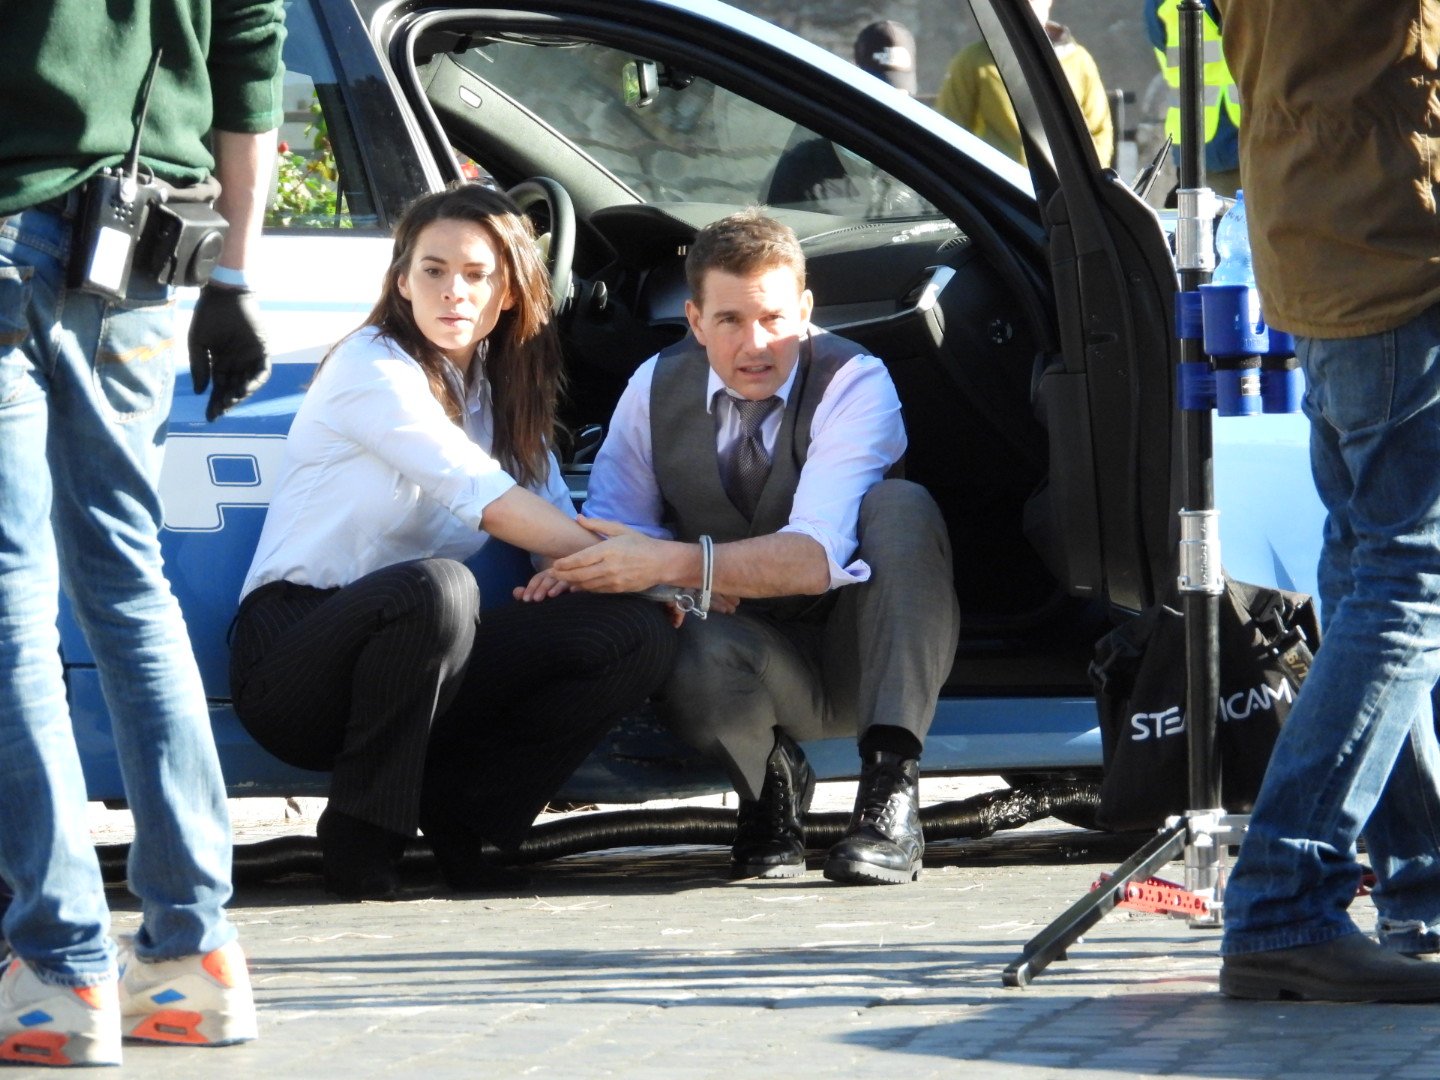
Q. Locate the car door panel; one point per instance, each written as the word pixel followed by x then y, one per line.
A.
pixel 1114 290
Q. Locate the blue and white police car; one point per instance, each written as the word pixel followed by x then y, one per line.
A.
pixel 1024 312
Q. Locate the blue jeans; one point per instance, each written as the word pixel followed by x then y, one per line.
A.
pixel 1358 754
pixel 85 391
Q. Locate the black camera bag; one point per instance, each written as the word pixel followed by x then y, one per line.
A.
pixel 1267 639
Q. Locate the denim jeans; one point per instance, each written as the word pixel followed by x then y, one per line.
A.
pixel 85 391
pixel 1358 754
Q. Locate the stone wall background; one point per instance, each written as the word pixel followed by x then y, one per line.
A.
pixel 1113 31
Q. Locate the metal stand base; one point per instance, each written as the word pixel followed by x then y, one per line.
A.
pixel 1202 835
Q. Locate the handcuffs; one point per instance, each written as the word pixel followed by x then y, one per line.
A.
pixel 689 601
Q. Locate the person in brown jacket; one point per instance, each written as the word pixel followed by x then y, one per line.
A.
pixel 1339 165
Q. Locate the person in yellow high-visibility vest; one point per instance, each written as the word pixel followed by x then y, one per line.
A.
pixel 1221 100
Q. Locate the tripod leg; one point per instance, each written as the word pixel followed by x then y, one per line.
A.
pixel 1051 943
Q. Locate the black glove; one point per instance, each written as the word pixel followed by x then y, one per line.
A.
pixel 226 343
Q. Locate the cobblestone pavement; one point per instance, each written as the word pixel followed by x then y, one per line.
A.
pixel 651 964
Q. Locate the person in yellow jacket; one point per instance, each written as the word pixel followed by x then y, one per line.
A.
pixel 974 96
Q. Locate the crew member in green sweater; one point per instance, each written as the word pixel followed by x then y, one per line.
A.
pixel 87 363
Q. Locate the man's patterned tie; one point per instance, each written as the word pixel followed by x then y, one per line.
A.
pixel 749 464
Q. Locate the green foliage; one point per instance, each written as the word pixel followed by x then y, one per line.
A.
pixel 307 189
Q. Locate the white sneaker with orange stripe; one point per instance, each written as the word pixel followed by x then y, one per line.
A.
pixel 43 1024
pixel 200 1000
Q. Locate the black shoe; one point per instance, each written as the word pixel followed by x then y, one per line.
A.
pixel 884 844
pixel 471 864
pixel 1351 968
pixel 487 875
pixel 770 834
pixel 358 860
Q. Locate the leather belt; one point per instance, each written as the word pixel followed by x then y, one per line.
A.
pixel 66 206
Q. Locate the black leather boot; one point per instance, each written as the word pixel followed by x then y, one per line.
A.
pixel 358 860
pixel 884 844
pixel 468 862
pixel 472 865
pixel 770 837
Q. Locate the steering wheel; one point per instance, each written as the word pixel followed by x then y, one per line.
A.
pixel 560 248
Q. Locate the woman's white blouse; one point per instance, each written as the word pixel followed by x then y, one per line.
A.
pixel 375 473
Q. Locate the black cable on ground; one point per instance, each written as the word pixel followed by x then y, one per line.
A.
pixel 966 819
pixel 978 816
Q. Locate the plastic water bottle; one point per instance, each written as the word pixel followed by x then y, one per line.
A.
pixel 1232 247
pixel 1281 384
pixel 1234 330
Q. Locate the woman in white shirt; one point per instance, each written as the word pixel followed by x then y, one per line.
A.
pixel 359 646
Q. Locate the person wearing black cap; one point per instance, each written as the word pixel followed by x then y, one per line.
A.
pixel 886 49
pixel 812 174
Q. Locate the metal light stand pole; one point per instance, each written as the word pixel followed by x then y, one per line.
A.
pixel 1206 829
pixel 1201 834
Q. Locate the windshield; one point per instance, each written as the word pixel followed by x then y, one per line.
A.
pixel 673 137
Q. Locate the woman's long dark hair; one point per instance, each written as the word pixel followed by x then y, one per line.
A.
pixel 522 357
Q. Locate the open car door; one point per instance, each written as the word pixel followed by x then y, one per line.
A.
pixel 1109 388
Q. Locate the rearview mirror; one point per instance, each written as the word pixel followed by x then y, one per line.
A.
pixel 640 80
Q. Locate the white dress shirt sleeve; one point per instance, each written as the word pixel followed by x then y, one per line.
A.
pixel 856 435
pixel 382 401
pixel 554 490
pixel 623 487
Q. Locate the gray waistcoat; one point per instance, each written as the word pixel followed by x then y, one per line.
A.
pixel 682 437
pixel 687 464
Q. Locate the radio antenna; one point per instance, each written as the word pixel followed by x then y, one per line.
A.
pixel 132 159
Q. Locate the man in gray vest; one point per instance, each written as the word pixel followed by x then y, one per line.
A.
pixel 747 464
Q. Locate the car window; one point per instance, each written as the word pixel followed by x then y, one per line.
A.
pixel 320 180
pixel 673 137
